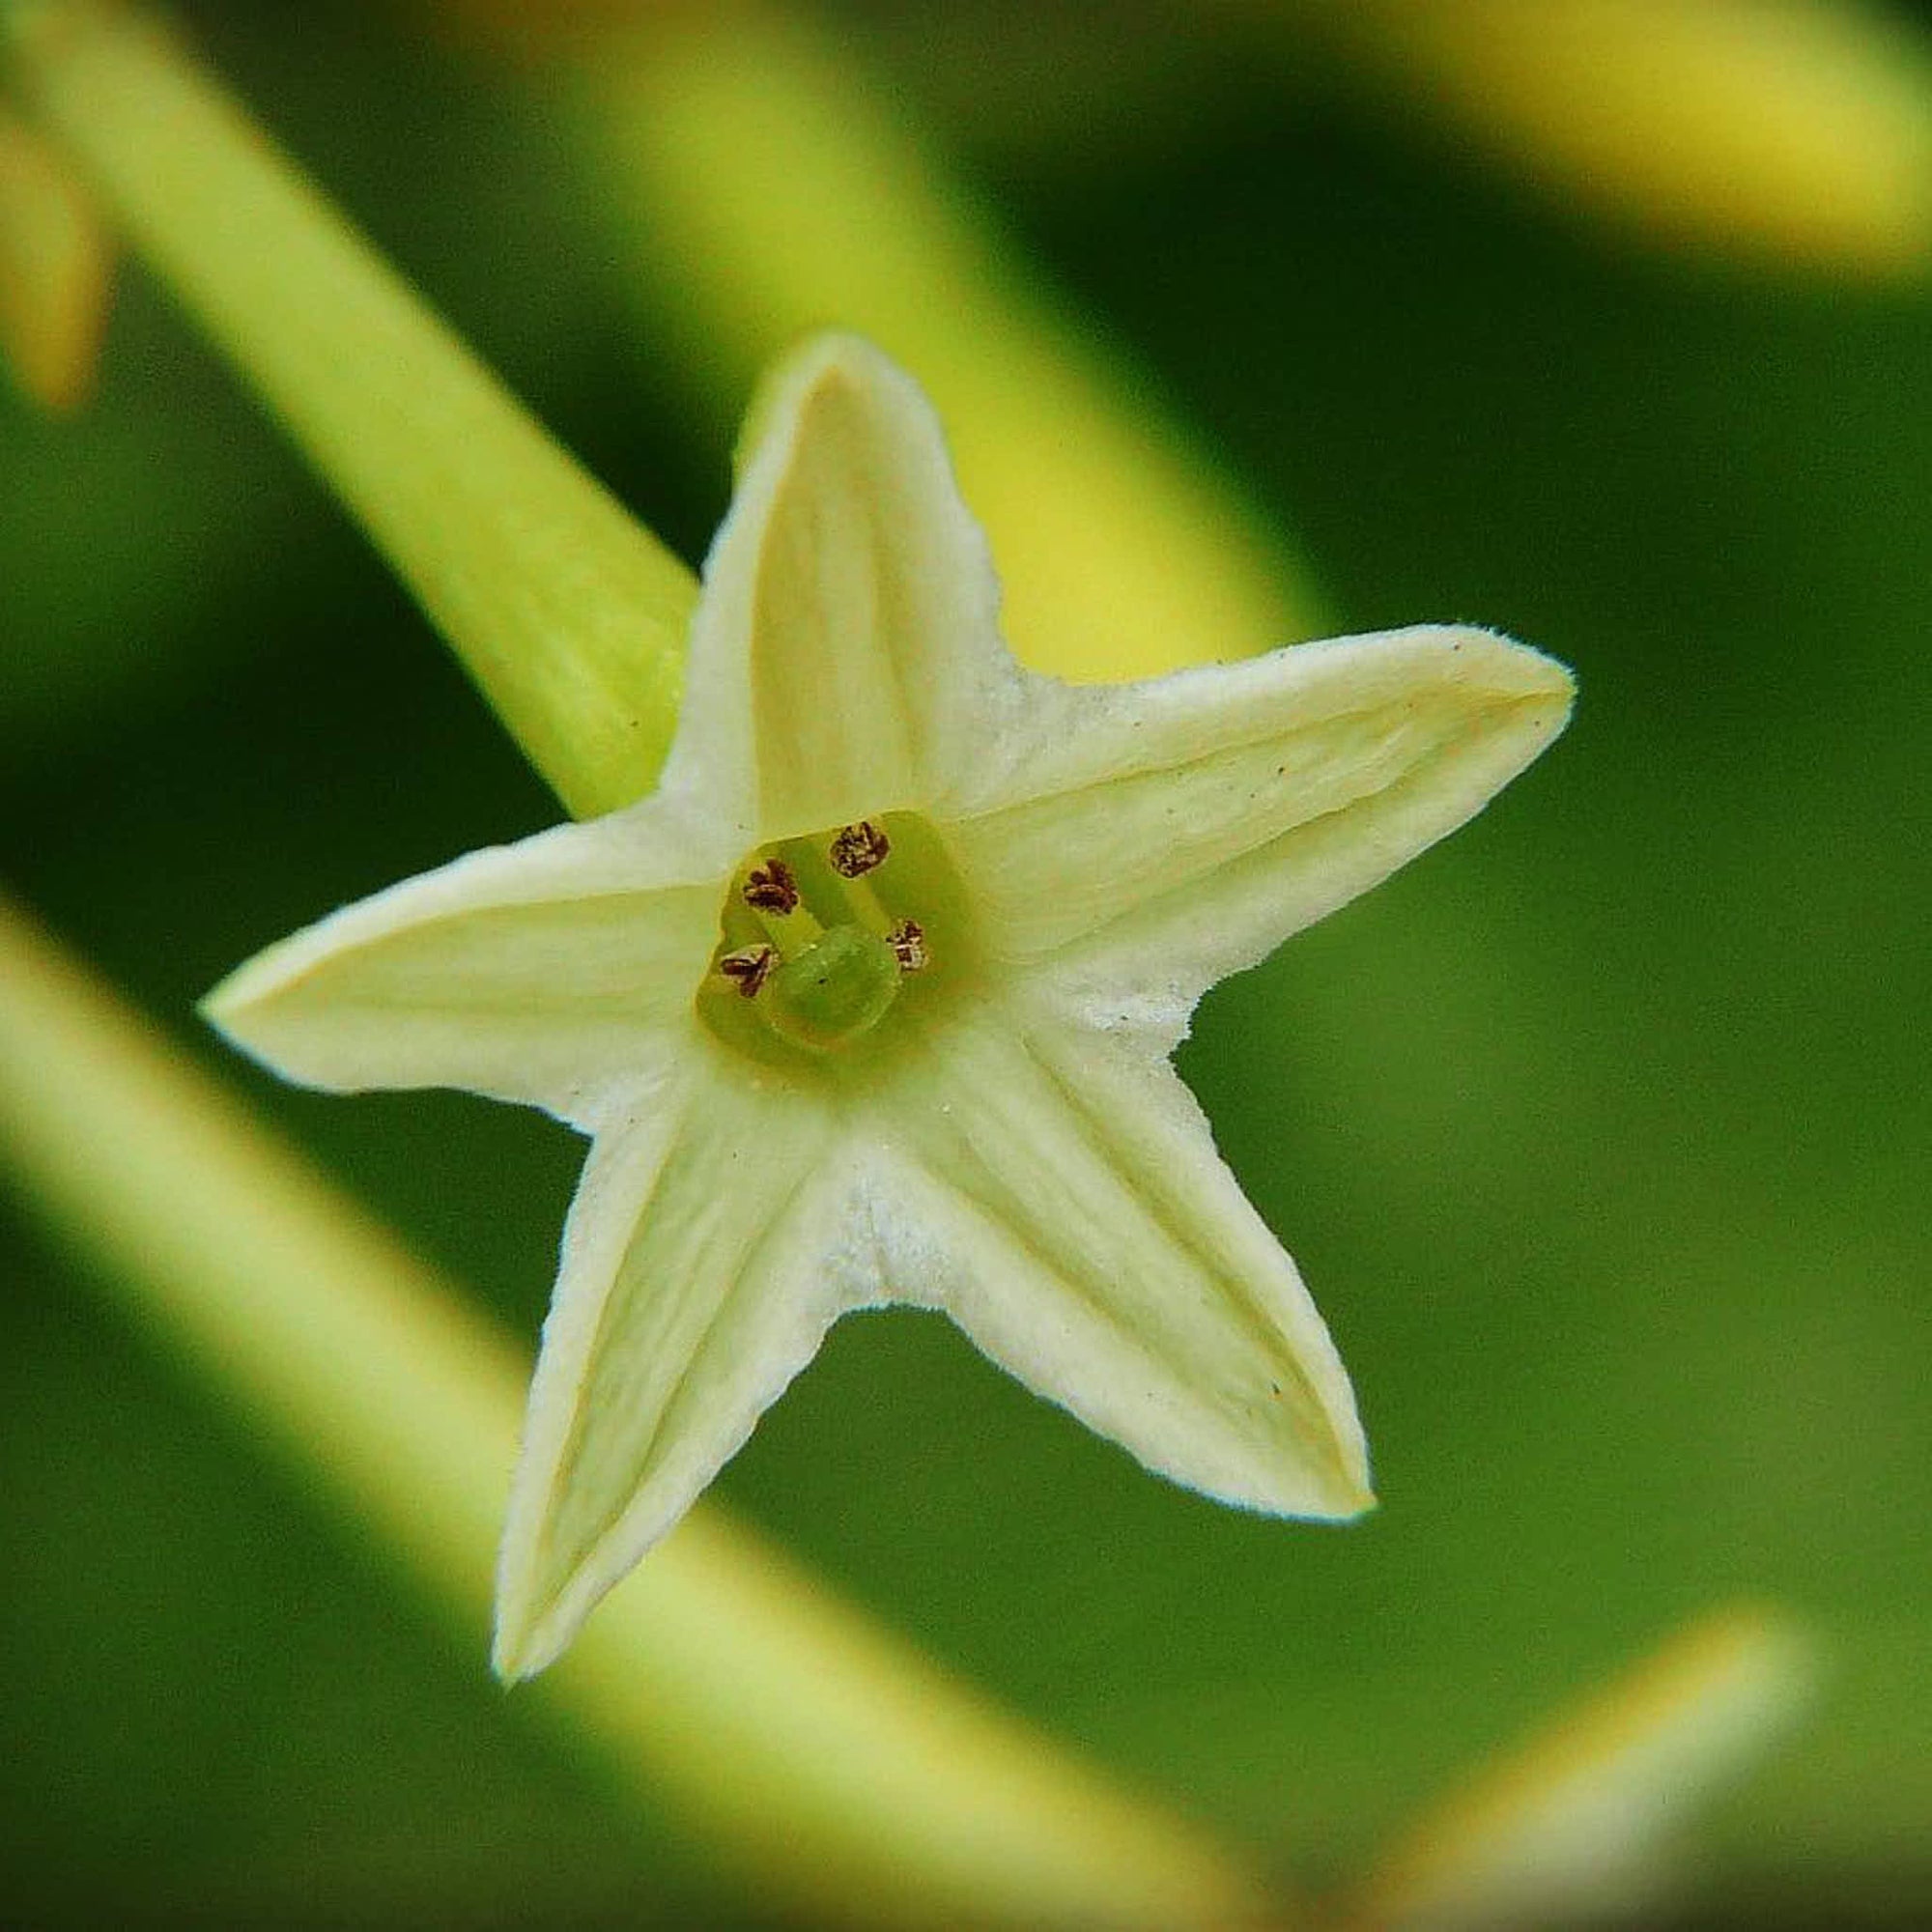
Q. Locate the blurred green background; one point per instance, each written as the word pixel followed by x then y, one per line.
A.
pixel 1601 1134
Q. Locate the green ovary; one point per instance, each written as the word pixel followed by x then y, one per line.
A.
pixel 840 987
pixel 826 943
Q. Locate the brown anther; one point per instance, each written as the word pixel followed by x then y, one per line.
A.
pixel 859 849
pixel 772 888
pixel 749 968
pixel 907 939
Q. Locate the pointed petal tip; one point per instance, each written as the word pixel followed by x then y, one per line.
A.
pixel 1320 1468
pixel 254 982
pixel 226 1000
pixel 538 1611
pixel 1347 1491
pixel 1343 1493
pixel 1519 666
pixel 817 369
pixel 227 1004
pixel 837 354
pixel 541 1614
pixel 1297 1480
pixel 241 1009
pixel 1549 678
pixel 1538 691
pixel 529 1635
pixel 514 1659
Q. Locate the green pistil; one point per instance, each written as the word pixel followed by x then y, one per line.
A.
pixel 834 980
pixel 791 933
pixel 864 904
pixel 840 987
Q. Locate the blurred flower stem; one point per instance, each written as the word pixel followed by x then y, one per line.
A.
pixel 842 1771
pixel 763 188
pixel 565 610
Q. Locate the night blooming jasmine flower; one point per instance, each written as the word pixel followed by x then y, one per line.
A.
pixel 872 998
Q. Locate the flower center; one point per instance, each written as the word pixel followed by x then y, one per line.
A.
pixel 823 940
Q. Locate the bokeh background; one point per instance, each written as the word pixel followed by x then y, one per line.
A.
pixel 1600 1134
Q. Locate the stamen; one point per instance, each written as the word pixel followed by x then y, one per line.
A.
pixel 771 886
pixel 749 968
pixel 907 939
pixel 859 849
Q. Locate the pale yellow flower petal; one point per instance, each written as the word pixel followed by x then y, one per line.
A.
pixel 847 642
pixel 1155 837
pixel 545 972
pixel 694 1287
pixel 1065 1206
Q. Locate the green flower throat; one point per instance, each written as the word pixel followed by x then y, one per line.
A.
pixel 825 941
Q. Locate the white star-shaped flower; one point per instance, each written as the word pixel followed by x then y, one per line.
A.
pixel 872 998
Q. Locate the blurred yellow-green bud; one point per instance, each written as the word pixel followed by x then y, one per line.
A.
pixel 1795 128
pixel 56 270
pixel 1576 1824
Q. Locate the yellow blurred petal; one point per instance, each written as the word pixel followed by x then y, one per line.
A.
pixel 56 270
pixel 770 190
pixel 845 1774
pixel 1578 1819
pixel 1798 129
